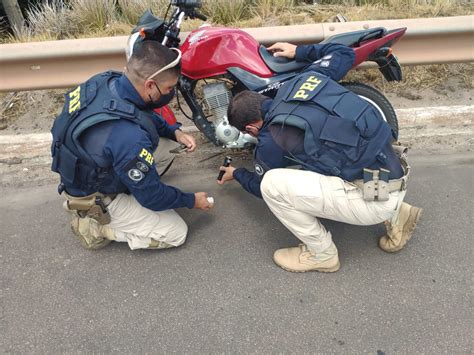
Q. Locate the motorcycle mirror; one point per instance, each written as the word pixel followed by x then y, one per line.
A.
pixel 150 27
pixel 187 4
pixel 147 20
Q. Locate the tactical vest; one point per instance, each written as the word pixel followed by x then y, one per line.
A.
pixel 89 104
pixel 343 133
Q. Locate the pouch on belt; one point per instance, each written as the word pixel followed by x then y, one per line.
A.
pixel 376 185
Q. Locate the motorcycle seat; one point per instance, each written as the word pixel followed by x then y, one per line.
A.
pixel 256 83
pixel 280 64
pixel 355 38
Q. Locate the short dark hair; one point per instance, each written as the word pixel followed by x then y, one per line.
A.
pixel 245 108
pixel 150 56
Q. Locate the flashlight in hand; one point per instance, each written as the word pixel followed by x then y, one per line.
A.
pixel 227 162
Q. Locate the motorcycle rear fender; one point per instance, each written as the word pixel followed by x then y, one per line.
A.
pixel 368 47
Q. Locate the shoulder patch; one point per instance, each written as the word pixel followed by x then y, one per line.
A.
pixel 135 174
pixel 306 88
pixel 258 169
pixel 147 156
pixel 136 169
pixel 74 100
pixel 142 166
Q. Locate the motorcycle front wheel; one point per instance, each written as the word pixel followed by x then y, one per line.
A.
pixel 378 100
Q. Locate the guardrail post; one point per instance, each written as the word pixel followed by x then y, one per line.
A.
pixel 13 11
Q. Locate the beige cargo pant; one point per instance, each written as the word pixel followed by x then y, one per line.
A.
pixel 130 222
pixel 297 198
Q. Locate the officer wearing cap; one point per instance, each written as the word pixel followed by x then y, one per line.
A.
pixel 344 165
pixel 110 148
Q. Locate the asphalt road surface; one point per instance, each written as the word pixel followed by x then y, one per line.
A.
pixel 221 291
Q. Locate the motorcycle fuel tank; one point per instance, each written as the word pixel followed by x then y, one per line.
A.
pixel 209 51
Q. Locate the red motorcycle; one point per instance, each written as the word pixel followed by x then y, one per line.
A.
pixel 218 62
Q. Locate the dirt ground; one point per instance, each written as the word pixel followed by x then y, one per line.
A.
pixel 26 118
pixel 34 111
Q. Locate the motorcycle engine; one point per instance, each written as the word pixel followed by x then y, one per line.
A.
pixel 216 98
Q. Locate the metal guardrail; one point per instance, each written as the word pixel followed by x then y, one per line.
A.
pixel 55 64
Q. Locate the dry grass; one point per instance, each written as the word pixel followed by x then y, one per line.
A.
pixel 40 103
pixel 52 19
pixel 270 8
pixel 59 19
pixel 225 12
pixel 419 78
pixel 132 10
pixel 93 14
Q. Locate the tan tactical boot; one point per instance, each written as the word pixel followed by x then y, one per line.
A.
pixel 156 244
pixel 399 234
pixel 300 259
pixel 90 233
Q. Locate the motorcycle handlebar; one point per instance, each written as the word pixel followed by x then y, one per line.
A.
pixel 185 8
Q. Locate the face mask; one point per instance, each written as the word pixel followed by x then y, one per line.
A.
pixel 162 101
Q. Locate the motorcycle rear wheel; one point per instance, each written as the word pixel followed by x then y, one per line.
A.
pixel 377 99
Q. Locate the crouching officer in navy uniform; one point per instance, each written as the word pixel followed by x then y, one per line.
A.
pixel 350 171
pixel 110 149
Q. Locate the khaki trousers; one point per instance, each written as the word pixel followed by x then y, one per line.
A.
pixel 130 222
pixel 163 157
pixel 297 198
pixel 142 228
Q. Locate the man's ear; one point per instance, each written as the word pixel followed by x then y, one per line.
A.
pixel 252 130
pixel 149 84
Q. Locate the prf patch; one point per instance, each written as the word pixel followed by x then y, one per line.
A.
pixel 75 100
pixel 145 154
pixel 308 86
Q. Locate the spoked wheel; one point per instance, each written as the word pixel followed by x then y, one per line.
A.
pixel 378 100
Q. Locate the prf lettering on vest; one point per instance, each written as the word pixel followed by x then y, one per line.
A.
pixel 75 100
pixel 146 155
pixel 309 85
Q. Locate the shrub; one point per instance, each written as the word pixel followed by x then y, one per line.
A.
pixel 266 8
pixel 51 19
pixel 93 15
pixel 226 12
pixel 132 10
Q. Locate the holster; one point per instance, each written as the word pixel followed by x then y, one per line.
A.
pixel 93 206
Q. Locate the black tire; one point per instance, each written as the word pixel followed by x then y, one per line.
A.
pixel 377 99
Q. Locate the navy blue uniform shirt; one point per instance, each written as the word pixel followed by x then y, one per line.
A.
pixel 128 149
pixel 332 60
